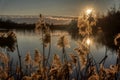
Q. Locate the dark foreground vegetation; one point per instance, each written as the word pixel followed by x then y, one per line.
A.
pixel 8 24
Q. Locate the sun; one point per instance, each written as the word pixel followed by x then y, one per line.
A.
pixel 88 41
pixel 88 11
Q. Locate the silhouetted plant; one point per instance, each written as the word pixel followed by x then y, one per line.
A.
pixel 41 27
pixel 8 40
pixel 62 43
pixel 109 24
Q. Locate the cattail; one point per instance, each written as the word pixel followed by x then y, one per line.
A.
pixel 46 38
pixel 82 25
pixel 28 59
pixel 63 42
pixel 4 58
pixel 41 25
pixel 102 72
pixel 56 61
pixel 1 69
pixel 91 20
pixel 82 57
pixel 37 57
pixel 70 69
pixel 82 52
pixel 12 34
pixel 27 78
pixel 83 61
pixel 117 40
pixel 3 75
pixel 55 66
pixel 85 23
pixel 17 69
pixel 11 78
pixel 107 73
pixel 73 59
pixel 114 68
pixel 94 77
pixel 35 76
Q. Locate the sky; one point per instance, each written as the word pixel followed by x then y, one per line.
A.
pixel 53 7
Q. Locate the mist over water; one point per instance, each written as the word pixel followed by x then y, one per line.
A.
pixel 31 19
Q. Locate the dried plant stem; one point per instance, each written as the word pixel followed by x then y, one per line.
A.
pixel 103 60
pixel 49 53
pixel 19 56
pixel 64 54
pixel 43 50
pixel 43 55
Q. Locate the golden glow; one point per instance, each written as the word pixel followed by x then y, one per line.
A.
pixel 88 41
pixel 88 11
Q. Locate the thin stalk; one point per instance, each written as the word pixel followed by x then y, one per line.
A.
pixel 49 49
pixel 49 53
pixel 43 51
pixel 103 60
pixel 19 59
pixel 64 54
pixel 43 55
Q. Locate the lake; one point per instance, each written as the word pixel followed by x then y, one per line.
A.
pixel 28 41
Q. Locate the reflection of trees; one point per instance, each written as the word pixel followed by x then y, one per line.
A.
pixel 74 30
pixel 8 40
pixel 110 26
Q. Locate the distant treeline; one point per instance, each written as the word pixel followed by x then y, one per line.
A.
pixel 110 26
pixel 8 24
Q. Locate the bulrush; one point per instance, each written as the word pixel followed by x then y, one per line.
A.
pixel 63 42
pixel 55 66
pixel 94 77
pixel 73 58
pixel 41 25
pixel 56 61
pixel 108 73
pixel 37 57
pixel 28 59
pixel 4 58
pixel 117 40
pixel 12 35
pixel 46 38
pixel 82 25
pixel 3 75
pixel 27 78
pixel 82 52
pixel 8 40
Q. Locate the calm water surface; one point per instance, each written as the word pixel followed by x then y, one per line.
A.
pixel 28 41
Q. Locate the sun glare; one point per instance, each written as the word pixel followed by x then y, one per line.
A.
pixel 88 41
pixel 88 11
